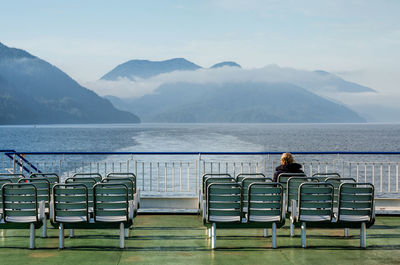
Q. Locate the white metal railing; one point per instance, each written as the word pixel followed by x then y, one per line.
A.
pixel 166 174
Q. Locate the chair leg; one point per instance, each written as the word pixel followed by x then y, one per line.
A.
pixel 71 233
pixel 32 236
pixel 346 232
pixel 127 232
pixel 291 228
pixel 61 236
pixel 265 232
pixel 121 236
pixel 363 236
pixel 213 236
pixel 303 234
pixel 273 235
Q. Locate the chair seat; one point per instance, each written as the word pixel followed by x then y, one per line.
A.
pixel 354 218
pixel 111 219
pixel 314 218
pixel 226 219
pixel 255 218
pixel 21 219
pixel 70 219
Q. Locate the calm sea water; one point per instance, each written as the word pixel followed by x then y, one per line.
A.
pixel 202 137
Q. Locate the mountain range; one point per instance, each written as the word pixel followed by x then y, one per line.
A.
pixel 290 96
pixel 32 91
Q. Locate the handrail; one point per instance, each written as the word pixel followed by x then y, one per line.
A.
pixel 206 153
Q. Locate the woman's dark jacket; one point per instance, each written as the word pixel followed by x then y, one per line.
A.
pixel 288 168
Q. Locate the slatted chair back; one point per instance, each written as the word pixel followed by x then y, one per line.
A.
pixel 239 177
pixel 336 182
pixel 292 189
pixel 323 176
pixel 210 180
pixel 127 181
pixel 315 202
pixel 246 182
pixel 13 177
pixel 224 203
pixel 284 177
pixel 212 175
pixel 89 182
pixel 128 175
pixel 111 202
pixel 70 203
pixel 356 202
pixel 43 189
pixel 20 203
pixel 53 178
pixel 96 176
pixel 2 182
pixel 265 202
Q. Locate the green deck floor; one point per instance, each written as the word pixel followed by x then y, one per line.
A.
pixel 181 239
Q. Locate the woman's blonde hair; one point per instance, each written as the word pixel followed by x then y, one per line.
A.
pixel 287 158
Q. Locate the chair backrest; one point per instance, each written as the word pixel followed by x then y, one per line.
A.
pixel 315 202
pixel 241 176
pixel 20 203
pixel 120 175
pixel 224 202
pixel 336 182
pixel 246 182
pixel 2 182
pixel 53 178
pixel 127 181
pixel 356 202
pixel 210 180
pixel 284 177
pixel 43 188
pixel 111 200
pixel 212 175
pixel 13 177
pixel 323 176
pixel 292 189
pixel 265 202
pixel 70 203
pixel 89 182
pixel 96 176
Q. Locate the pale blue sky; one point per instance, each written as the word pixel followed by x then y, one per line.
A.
pixel 358 39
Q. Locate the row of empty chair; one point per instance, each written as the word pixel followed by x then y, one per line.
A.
pixel 324 200
pixel 85 200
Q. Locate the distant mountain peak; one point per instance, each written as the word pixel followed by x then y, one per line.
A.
pixel 322 72
pixel 146 68
pixel 226 63
pixel 13 53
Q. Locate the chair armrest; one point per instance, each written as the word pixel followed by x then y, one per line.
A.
pixel 51 206
pixel 42 208
pixel 293 212
pixel 131 209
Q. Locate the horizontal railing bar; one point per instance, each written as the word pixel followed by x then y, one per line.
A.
pixel 205 153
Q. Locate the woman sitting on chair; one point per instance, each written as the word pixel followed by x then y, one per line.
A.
pixel 288 165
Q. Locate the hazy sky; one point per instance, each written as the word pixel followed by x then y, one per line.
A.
pixel 358 39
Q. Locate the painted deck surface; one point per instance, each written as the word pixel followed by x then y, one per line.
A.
pixel 182 239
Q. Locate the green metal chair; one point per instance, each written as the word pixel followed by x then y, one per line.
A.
pixel 21 209
pixel 43 189
pixel 265 206
pixel 224 204
pixel 207 182
pixel 70 208
pixel 315 206
pixel 112 208
pixel 356 208
pixel 132 177
pixel 291 196
pixel 284 177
